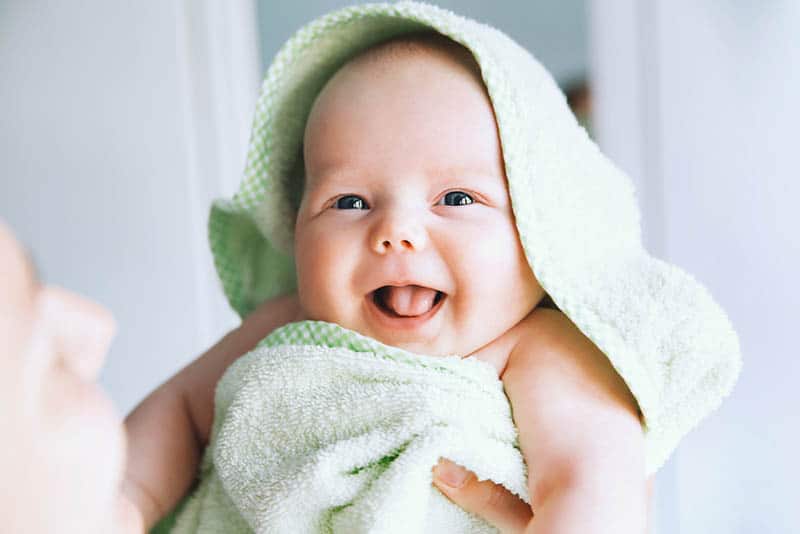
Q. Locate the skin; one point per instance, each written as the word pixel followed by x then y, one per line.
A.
pixel 64 445
pixel 407 229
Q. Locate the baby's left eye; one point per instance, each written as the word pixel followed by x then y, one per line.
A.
pixel 461 198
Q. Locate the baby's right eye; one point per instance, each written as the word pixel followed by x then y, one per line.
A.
pixel 349 202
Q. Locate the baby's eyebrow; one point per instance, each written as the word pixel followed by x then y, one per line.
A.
pixel 478 176
pixel 480 179
pixel 326 176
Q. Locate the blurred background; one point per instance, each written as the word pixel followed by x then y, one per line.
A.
pixel 120 121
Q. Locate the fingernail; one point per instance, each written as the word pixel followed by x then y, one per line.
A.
pixel 450 474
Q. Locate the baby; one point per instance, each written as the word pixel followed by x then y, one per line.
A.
pixel 405 233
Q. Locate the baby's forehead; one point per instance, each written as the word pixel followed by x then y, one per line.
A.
pixel 375 107
pixel 425 52
pixel 437 51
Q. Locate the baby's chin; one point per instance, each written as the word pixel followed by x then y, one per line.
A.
pixel 436 338
pixel 443 344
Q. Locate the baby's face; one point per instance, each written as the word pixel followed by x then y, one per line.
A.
pixel 405 185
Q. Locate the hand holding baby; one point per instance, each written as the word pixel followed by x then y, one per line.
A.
pixel 566 394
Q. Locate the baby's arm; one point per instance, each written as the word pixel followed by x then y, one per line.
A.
pixel 579 431
pixel 169 429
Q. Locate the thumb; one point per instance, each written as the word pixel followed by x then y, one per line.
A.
pixel 489 501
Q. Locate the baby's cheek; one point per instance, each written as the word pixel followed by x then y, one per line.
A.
pixel 497 240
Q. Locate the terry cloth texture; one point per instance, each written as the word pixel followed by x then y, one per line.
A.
pixel 322 429
pixel 576 215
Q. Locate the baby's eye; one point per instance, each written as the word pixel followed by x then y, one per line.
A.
pixel 349 202
pixel 459 197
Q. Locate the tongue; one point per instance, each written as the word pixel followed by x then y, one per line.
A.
pixel 408 300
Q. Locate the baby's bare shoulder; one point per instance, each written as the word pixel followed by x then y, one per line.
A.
pixel 535 331
pixel 543 329
pixel 576 419
pixel 547 324
pixel 553 358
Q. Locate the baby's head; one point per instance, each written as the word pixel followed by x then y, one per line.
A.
pixel 405 185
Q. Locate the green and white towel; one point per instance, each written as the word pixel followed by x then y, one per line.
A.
pixel 579 225
pixel 322 429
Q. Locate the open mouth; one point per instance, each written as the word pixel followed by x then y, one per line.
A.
pixel 407 306
pixel 380 296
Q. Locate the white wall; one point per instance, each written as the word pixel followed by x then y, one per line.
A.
pixel 119 122
pixel 699 101
pixel 555 32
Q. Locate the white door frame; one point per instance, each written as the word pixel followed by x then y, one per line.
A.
pixel 624 44
pixel 218 52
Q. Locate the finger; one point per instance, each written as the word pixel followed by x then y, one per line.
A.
pixel 490 501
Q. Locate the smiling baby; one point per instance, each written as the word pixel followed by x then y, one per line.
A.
pixel 406 230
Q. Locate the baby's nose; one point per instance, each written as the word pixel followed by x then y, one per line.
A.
pixel 399 234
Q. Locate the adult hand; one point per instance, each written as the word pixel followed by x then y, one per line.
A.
pixel 492 502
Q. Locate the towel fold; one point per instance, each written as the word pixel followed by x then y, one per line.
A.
pixel 321 429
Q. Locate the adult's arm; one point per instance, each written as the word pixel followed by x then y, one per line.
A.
pixel 169 429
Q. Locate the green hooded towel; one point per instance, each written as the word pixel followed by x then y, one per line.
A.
pixel 321 429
